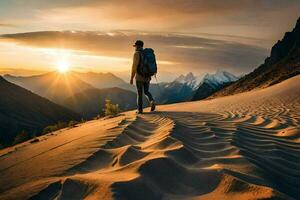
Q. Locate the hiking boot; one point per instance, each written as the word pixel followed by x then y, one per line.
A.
pixel 152 105
pixel 139 112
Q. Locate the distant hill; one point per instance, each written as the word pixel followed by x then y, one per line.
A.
pixel 91 102
pixel 22 110
pixel 212 83
pixel 283 63
pixel 53 85
pixel 80 91
pixel 103 80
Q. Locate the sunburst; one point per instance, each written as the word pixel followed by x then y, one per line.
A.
pixel 63 66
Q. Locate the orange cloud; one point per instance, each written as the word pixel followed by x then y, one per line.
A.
pixel 251 18
pixel 244 18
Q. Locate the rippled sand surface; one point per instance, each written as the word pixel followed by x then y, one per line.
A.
pixel 245 146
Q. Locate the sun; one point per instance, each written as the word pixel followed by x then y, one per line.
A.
pixel 63 67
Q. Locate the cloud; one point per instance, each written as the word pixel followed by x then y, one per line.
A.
pixel 20 72
pixel 254 18
pixel 177 52
pixel 136 7
pixel 251 18
pixel 7 25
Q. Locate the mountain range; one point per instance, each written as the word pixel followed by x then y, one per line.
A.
pixel 212 83
pixel 94 88
pixel 61 88
pixel 103 80
pixel 90 88
pixel 53 85
pixel 190 87
pixel 22 110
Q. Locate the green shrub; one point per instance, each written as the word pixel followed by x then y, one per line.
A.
pixel 61 125
pixel 73 123
pixel 111 109
pixel 55 127
pixel 48 129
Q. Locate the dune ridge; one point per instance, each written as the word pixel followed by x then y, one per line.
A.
pixel 244 146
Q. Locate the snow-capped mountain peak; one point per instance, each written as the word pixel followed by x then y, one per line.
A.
pixel 220 77
pixel 189 79
pixel 180 79
pixel 190 76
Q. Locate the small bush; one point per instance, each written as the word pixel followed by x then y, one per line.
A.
pixel 72 124
pixel 59 125
pixel 111 109
pixel 48 129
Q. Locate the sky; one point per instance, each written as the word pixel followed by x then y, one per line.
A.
pixel 196 36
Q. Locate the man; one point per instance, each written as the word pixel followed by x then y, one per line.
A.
pixel 142 82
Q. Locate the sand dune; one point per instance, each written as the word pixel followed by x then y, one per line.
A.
pixel 244 146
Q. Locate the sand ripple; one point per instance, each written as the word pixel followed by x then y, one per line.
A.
pixel 184 155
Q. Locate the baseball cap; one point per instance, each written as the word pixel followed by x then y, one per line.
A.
pixel 138 43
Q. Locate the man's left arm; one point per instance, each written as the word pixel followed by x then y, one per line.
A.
pixel 136 59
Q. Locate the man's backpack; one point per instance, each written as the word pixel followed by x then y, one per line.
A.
pixel 147 66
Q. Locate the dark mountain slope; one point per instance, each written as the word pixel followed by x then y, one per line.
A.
pixel 206 89
pixel 283 63
pixel 22 110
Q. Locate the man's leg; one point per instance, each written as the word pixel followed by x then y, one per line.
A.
pixel 148 94
pixel 139 88
pixel 146 91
